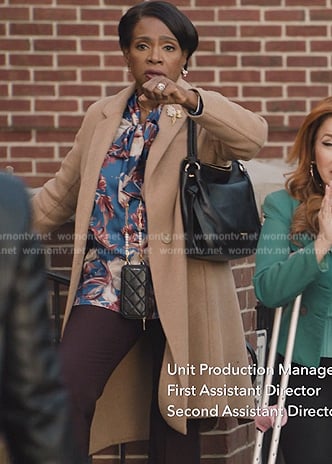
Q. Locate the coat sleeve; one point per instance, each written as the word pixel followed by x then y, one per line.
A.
pixel 282 270
pixel 55 203
pixel 237 132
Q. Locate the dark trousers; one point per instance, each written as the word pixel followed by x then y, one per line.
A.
pixel 307 439
pixel 95 341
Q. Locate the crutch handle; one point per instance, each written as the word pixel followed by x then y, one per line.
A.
pixel 284 379
pixel 268 381
pixel 283 384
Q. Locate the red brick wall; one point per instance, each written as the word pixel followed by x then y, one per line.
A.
pixel 58 56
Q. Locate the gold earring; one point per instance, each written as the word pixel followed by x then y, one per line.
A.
pixel 312 169
pixel 316 179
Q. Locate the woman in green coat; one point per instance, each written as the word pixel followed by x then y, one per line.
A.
pixel 293 257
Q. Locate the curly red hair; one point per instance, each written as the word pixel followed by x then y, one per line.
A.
pixel 304 183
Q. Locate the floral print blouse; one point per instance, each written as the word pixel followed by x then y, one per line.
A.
pixel 119 187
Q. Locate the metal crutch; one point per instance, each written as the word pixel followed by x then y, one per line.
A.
pixel 283 383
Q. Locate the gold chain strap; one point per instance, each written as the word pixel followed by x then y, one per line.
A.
pixel 140 233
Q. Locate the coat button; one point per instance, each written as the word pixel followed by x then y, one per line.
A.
pixel 303 311
pixel 166 238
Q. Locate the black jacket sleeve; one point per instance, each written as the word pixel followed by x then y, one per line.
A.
pixel 34 406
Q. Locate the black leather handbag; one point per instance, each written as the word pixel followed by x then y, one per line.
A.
pixel 219 212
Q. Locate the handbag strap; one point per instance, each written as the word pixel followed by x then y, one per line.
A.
pixel 140 234
pixel 192 141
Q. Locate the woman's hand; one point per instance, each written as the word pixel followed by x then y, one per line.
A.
pixel 323 242
pixel 161 90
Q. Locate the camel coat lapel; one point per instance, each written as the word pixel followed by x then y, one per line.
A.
pixel 90 168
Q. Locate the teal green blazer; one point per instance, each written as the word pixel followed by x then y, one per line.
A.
pixel 284 270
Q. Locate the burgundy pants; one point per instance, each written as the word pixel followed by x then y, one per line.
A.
pixel 95 341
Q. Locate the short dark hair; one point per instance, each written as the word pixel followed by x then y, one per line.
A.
pixel 177 22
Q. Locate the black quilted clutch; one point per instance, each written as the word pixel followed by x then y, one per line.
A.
pixel 136 300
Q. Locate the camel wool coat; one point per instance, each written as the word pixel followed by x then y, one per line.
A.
pixel 196 300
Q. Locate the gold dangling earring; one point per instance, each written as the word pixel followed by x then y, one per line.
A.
pixel 128 67
pixel 312 169
pixel 316 179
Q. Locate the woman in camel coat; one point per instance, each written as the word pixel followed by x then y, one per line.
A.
pixel 198 319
